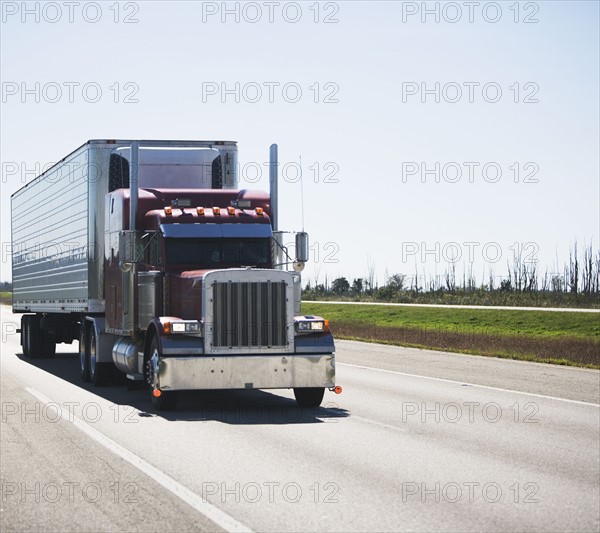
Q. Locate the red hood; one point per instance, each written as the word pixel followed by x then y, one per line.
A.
pixel 194 273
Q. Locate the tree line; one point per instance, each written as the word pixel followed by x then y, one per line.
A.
pixel 577 283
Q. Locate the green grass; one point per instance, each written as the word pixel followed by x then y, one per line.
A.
pixel 498 322
pixel 544 336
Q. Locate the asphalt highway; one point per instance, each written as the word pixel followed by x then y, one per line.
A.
pixel 418 441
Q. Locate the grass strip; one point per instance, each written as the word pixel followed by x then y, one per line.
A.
pixel 559 338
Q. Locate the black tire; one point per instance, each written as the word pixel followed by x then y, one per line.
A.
pixel 133 385
pixel 49 347
pixel 36 343
pixel 25 325
pixel 84 354
pixel 309 397
pixel 34 335
pixel 99 372
pixel 167 401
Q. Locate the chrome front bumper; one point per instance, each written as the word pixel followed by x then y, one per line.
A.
pixel 247 372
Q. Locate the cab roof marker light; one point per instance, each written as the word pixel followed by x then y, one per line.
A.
pixel 259 211
pixel 231 211
pixel 200 211
pixel 168 211
pixel 217 211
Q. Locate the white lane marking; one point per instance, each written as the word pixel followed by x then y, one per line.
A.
pixel 382 424
pixel 472 384
pixel 453 306
pixel 213 513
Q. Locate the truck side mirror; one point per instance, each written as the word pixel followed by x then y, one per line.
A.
pixel 302 247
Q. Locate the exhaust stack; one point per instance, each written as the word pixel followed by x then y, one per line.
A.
pixel 133 185
pixel 274 201
pixel 274 191
pixel 130 275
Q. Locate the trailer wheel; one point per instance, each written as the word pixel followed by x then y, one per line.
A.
pixel 309 397
pixel 34 337
pixel 48 345
pixel 99 372
pixel 167 401
pixel 84 355
pixel 36 342
pixel 25 325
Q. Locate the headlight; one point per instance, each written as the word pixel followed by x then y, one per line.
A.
pixel 310 324
pixel 182 326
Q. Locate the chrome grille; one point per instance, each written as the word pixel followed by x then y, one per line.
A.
pixel 249 314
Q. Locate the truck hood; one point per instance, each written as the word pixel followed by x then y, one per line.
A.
pixel 193 274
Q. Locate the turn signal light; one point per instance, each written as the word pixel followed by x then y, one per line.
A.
pixel 259 211
pixel 157 393
pixel 200 211
pixel 337 389
pixel 217 211
pixel 166 328
pixel 168 210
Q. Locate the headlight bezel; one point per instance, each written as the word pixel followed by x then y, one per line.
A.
pixel 310 325
pixel 182 327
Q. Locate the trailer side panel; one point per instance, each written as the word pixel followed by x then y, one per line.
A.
pixel 50 239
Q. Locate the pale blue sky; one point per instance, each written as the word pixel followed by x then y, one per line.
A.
pixel 368 134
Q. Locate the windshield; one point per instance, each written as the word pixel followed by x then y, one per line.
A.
pixel 219 253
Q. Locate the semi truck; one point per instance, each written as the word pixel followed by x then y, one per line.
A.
pixel 149 254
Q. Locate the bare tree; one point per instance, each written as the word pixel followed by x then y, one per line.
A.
pixel 470 278
pixel 557 283
pixel 596 275
pixel 588 269
pixel 370 275
pixel 450 276
pixel 317 273
pixel 546 281
pixel 530 276
pixel 573 270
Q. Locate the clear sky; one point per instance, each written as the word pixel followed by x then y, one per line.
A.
pixel 368 98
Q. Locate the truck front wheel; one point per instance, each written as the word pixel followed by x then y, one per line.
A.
pixel 99 372
pixel 84 355
pixel 167 401
pixel 309 397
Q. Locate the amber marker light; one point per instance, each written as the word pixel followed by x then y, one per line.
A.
pixel 166 328
pixel 168 211
pixel 231 211
pixel 259 211
pixel 200 211
pixel 217 211
pixel 157 393
pixel 337 389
